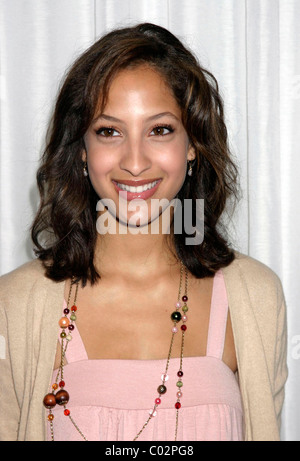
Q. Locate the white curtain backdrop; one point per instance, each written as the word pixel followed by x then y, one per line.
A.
pixel 251 46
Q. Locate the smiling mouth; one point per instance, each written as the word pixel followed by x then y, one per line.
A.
pixel 143 189
pixel 137 189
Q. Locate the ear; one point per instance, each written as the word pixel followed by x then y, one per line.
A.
pixel 191 155
pixel 84 156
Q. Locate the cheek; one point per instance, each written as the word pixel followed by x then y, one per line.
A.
pixel 99 163
pixel 175 163
pixel 99 166
pixel 99 158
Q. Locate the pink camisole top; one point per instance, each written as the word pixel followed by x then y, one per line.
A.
pixel 110 399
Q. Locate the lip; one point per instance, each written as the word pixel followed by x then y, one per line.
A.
pixel 136 195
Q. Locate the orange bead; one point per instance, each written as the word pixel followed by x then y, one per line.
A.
pixel 64 322
pixel 50 417
pixel 55 386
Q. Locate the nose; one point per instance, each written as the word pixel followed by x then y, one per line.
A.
pixel 134 158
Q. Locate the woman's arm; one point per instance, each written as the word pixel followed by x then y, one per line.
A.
pixel 280 368
pixel 9 407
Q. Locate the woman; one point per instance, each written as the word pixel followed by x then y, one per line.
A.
pixel 126 331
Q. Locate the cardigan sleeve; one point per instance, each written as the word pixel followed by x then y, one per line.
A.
pixel 280 369
pixel 9 407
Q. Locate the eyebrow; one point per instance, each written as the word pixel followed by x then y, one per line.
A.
pixel 149 119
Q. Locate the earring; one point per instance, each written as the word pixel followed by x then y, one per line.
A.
pixel 190 170
pixel 85 171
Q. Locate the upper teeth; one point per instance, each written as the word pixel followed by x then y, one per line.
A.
pixel 138 188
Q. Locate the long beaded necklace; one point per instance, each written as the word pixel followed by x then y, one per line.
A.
pixel 59 396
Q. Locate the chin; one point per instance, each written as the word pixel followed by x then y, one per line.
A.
pixel 137 215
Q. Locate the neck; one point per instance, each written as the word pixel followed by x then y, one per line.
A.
pixel 144 253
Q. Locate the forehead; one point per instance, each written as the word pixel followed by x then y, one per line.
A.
pixel 140 86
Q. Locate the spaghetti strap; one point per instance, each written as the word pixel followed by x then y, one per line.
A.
pixel 216 329
pixel 76 351
pixel 218 318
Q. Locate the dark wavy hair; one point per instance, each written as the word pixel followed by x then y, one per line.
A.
pixel 64 230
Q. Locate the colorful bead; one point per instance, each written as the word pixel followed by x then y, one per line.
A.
pixel 63 334
pixel 73 317
pixel 62 384
pixel 176 316
pixel 64 322
pixel 74 308
pixel 55 386
pixel 62 397
pixel 71 327
pixel 185 308
pixel 184 318
pixel 161 389
pixel 184 298
pixel 69 337
pixel 177 405
pixel 179 394
pixel 183 327
pixel 174 330
pixel 66 311
pixel 180 373
pixel 51 417
pixel 179 384
pixel 67 412
pixel 152 413
pixel 49 401
pixel 164 377
pixel 178 305
pixel 157 401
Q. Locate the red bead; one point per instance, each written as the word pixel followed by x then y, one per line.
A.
pixel 183 327
pixel 71 327
pixel 180 373
pixel 177 405
pixel 184 298
pixel 74 308
pixel 157 401
pixel 66 311
pixel 67 412
pixel 62 384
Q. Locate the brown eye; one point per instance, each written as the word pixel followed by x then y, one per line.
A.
pixel 107 132
pixel 162 130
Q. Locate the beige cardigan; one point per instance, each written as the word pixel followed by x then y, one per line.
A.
pixel 31 304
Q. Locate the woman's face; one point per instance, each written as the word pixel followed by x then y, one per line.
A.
pixel 137 149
